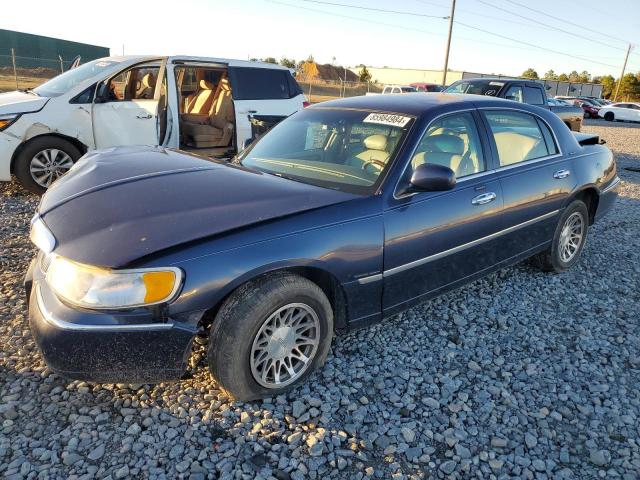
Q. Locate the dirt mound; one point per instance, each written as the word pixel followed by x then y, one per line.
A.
pixel 312 71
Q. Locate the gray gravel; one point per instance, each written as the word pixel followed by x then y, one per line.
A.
pixel 521 374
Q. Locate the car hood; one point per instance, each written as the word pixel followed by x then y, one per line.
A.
pixel 20 102
pixel 118 205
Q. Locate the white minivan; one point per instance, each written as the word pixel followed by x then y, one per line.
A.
pixel 209 106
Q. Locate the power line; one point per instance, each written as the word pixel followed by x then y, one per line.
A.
pixel 564 20
pixel 535 46
pixel 573 34
pixel 414 14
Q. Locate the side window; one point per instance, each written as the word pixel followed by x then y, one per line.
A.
pixel 250 83
pixel 137 83
pixel 518 137
pixel 396 90
pixel 533 96
pixel 386 90
pixel 514 93
pixel 452 141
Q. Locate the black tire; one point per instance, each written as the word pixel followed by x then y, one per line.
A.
pixel 551 260
pixel 239 321
pixel 22 168
pixel 609 116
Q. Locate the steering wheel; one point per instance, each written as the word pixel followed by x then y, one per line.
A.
pixel 375 163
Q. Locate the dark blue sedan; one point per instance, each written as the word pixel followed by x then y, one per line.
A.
pixel 343 214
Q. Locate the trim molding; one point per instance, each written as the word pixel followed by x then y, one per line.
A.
pixel 64 325
pixel 465 246
pixel 613 185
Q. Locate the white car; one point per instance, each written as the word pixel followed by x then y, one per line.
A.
pixel 210 106
pixel 621 111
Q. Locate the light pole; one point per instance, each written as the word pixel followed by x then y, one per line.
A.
pixel 446 55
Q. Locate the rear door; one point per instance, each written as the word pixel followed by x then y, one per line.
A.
pixel 262 97
pixel 130 108
pixel 536 179
pixel 534 95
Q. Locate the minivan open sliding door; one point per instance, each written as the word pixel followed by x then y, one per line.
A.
pixel 130 108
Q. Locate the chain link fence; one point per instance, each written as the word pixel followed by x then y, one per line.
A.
pixel 18 72
pixel 322 90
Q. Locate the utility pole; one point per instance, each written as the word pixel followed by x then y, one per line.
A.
pixel 446 55
pixel 624 66
pixel 15 71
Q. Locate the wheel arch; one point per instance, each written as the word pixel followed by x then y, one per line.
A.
pixel 77 143
pixel 591 197
pixel 324 279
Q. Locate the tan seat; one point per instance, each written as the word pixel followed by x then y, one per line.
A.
pixel 376 150
pixel 515 147
pixel 216 128
pixel 147 87
pixel 200 102
pixel 441 149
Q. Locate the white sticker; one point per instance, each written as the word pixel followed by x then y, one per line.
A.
pixel 387 119
pixel 499 84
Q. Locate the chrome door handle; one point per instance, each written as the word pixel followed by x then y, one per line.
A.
pixel 562 174
pixel 144 117
pixel 484 198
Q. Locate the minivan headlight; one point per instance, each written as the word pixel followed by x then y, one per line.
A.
pixel 102 288
pixel 6 120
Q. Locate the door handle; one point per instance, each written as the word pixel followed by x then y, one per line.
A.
pixel 562 174
pixel 144 116
pixel 484 198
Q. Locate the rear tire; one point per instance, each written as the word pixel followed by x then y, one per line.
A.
pixel 43 160
pixel 568 240
pixel 609 116
pixel 266 326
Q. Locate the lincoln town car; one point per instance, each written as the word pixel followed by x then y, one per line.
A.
pixel 343 214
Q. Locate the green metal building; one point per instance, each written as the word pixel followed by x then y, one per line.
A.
pixel 32 51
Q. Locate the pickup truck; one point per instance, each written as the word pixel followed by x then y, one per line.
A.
pixel 519 90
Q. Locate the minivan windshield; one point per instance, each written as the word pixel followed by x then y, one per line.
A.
pixel 342 149
pixel 476 87
pixel 66 81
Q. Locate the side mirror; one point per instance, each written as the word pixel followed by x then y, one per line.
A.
pixel 102 93
pixel 430 177
pixel 247 142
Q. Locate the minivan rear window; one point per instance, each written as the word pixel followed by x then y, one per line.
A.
pixel 250 83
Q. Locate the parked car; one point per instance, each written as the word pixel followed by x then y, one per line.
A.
pixel 427 87
pixel 589 107
pixel 346 212
pixel 519 90
pixel 398 89
pixel 624 111
pixel 206 105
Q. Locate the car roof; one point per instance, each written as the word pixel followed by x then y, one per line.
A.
pixel 132 59
pixel 419 103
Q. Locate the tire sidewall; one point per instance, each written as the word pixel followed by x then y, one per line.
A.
pixel 23 161
pixel 609 116
pixel 237 350
pixel 556 260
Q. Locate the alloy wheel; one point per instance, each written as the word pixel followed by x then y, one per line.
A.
pixel 285 345
pixel 571 237
pixel 48 165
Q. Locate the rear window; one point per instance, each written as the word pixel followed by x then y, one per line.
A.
pixel 262 84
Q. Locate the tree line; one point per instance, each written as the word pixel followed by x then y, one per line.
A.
pixel 629 88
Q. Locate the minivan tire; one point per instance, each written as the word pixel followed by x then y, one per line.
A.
pixel 609 116
pixel 553 259
pixel 66 154
pixel 239 340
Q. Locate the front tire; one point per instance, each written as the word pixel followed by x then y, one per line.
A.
pixel 609 116
pixel 568 240
pixel 269 335
pixel 43 160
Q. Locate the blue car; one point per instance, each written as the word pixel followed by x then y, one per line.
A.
pixel 345 213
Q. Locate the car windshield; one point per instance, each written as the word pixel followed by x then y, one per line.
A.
pixel 344 150
pixel 66 81
pixel 476 87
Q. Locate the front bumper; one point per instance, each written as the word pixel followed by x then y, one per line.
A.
pixel 8 145
pixel 105 347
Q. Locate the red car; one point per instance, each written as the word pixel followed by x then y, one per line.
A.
pixel 589 108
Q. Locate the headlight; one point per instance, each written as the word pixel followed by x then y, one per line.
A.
pixel 100 288
pixel 41 236
pixel 6 120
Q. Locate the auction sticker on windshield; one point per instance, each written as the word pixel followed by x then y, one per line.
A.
pixel 387 119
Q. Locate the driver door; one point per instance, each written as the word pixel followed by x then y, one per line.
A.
pixel 130 108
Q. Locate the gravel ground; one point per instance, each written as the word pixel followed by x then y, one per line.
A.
pixel 521 374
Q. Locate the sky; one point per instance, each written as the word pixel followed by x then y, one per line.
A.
pixel 597 31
